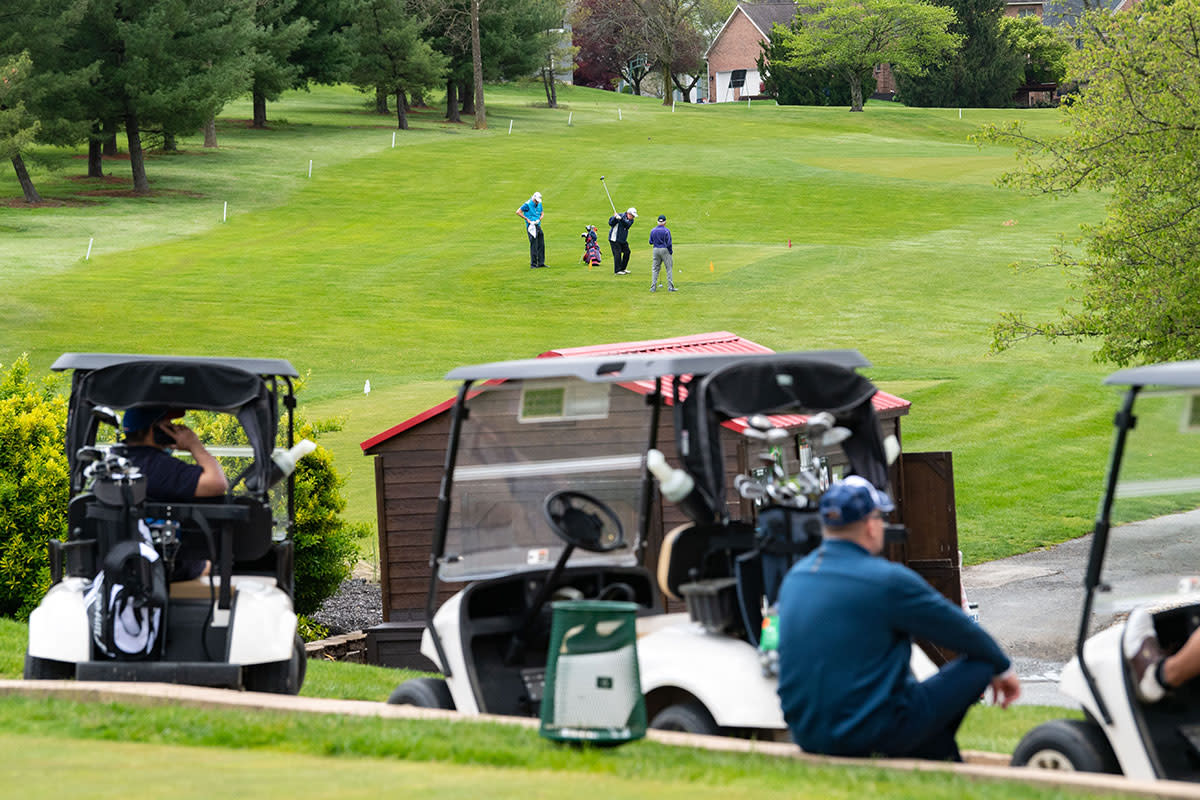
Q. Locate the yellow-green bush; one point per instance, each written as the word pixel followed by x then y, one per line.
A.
pixel 34 485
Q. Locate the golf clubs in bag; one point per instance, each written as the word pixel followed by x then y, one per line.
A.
pixel 127 600
pixel 591 248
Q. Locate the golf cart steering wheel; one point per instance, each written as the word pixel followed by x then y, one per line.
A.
pixel 583 521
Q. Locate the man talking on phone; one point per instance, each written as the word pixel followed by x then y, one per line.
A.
pixel 150 435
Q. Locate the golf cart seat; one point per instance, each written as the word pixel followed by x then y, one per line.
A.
pixel 716 571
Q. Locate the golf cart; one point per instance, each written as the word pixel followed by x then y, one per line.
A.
pixel 548 493
pixel 111 613
pixel 1151 489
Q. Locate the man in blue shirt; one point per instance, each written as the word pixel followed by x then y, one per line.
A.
pixel 664 253
pixel 531 212
pixel 847 620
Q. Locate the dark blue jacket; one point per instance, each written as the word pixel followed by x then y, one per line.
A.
pixel 620 227
pixel 846 624
pixel 660 236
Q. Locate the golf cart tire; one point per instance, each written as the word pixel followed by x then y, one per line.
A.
pixel 47 669
pixel 1067 744
pixel 423 693
pixel 278 677
pixel 686 718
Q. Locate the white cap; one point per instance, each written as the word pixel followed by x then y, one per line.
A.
pixel 632 211
pixel 537 196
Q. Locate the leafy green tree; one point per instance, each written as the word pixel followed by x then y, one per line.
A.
pixel 673 38
pixel 278 33
pixel 849 37
pixel 392 55
pixel 33 485
pixel 17 126
pixel 799 87
pixel 984 73
pixel 1043 48
pixel 1130 132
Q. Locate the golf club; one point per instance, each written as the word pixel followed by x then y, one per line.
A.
pixel 610 202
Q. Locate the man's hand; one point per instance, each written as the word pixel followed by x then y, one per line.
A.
pixel 1006 688
pixel 185 438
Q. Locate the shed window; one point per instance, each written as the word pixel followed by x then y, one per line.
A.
pixel 546 401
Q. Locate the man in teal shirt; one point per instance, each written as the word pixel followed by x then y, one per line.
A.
pixel 847 620
pixel 531 212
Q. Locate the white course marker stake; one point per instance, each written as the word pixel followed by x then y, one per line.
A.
pixel 393 138
pixel 672 106
pixel 619 117
pixel 510 122
pixel 225 211
pixel 88 257
pixel 367 387
pixel 570 115
pixel 310 168
pixel 960 113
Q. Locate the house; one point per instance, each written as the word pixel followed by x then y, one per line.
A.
pixel 1024 8
pixel 733 55
pixel 409 460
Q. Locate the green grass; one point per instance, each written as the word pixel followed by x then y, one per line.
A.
pixel 394 265
pixel 67 746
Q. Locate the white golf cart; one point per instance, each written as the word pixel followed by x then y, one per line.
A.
pixel 1152 486
pixel 514 526
pixel 111 613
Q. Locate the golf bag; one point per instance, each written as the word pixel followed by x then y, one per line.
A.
pixel 591 249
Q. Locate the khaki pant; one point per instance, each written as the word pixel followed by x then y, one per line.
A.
pixel 661 256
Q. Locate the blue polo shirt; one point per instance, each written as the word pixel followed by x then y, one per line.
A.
pixel 846 624
pixel 531 211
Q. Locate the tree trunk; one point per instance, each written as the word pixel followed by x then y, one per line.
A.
pixel 260 111
pixel 381 97
pixel 210 132
pixel 401 111
pixel 418 99
pixel 467 93
pixel 95 154
pixel 110 140
pixel 856 100
pixel 27 187
pixel 169 144
pixel 137 163
pixel 666 80
pixel 477 64
pixel 452 102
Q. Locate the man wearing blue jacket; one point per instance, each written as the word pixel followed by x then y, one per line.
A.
pixel 664 253
pixel 847 620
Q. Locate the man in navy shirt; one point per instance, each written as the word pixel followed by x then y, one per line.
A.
pixel 847 619
pixel 618 239
pixel 149 437
pixel 664 253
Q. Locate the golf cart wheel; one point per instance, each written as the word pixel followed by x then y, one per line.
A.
pixel 1071 745
pixel 279 677
pixel 423 693
pixel 47 669
pixel 686 718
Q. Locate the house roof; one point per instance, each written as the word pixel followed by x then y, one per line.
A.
pixel 720 342
pixel 761 15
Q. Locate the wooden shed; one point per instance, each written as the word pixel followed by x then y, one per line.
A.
pixel 409 459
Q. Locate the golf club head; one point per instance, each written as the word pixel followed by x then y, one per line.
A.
pixel 834 436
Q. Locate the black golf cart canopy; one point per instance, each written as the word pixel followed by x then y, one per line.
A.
pixel 244 387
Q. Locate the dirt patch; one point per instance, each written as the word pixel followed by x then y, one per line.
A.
pixel 19 202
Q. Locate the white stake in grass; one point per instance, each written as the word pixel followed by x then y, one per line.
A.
pixel 88 257
pixel 367 387
pixel 225 211
pixel 619 117
pixel 510 122
pixel 310 168
pixel 569 117
pixel 393 138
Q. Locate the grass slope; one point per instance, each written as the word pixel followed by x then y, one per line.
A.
pixel 794 227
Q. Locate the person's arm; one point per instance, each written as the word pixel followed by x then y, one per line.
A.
pixel 670 249
pixel 521 213
pixel 212 482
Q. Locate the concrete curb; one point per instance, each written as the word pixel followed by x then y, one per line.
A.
pixel 986 766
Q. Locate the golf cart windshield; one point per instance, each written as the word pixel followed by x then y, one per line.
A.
pixel 1156 504
pixel 522 441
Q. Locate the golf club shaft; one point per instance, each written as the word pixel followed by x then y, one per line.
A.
pixel 610 202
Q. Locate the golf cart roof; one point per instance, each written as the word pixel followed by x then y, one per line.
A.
pixel 256 366
pixel 1181 374
pixel 619 368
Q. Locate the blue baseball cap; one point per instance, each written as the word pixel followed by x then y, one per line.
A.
pixel 142 417
pixel 851 499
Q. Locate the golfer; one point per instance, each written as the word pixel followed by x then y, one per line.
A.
pixel 531 212
pixel 847 620
pixel 618 239
pixel 664 253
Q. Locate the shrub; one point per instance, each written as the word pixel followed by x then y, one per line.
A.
pixel 34 485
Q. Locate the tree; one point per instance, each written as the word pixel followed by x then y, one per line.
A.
pixel 612 43
pixel 391 53
pixel 849 37
pixel 17 125
pixel 672 39
pixel 798 87
pixel 1130 132
pixel 984 73
pixel 1044 48
pixel 278 33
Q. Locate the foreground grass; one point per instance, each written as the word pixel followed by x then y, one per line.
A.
pixel 192 750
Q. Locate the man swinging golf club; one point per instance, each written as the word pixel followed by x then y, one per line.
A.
pixel 847 620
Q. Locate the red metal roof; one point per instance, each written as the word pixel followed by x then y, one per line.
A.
pixel 717 342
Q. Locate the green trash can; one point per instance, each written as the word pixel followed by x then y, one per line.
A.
pixel 593 691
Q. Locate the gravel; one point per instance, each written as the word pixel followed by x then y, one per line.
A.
pixel 357 605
